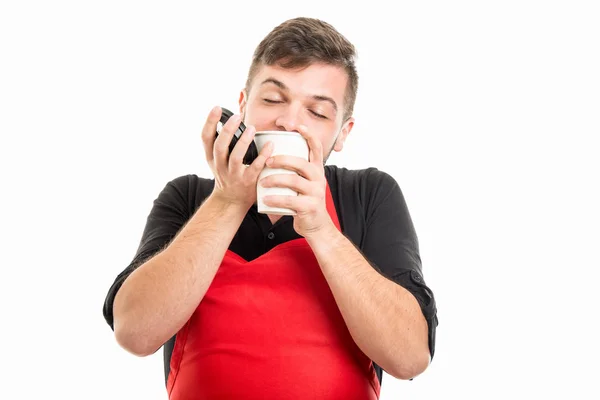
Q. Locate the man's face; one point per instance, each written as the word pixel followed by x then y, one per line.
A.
pixel 282 99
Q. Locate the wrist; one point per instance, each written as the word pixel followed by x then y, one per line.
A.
pixel 327 234
pixel 226 206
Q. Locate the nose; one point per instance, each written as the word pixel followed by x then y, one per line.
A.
pixel 289 118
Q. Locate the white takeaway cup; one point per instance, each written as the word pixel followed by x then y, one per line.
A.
pixel 284 143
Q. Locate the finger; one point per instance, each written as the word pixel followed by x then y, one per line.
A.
pixel 208 132
pixel 291 181
pixel 300 204
pixel 296 164
pixel 314 145
pixel 236 158
pixel 221 147
pixel 259 163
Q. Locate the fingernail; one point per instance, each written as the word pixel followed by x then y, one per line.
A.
pixel 269 161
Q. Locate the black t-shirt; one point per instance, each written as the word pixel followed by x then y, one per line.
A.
pixel 371 209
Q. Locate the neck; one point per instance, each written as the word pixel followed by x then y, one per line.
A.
pixel 274 218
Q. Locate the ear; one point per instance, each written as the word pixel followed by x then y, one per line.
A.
pixel 242 102
pixel 344 132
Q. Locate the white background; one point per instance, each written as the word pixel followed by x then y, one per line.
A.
pixel 493 109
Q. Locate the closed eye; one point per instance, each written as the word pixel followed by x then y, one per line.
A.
pixel 318 115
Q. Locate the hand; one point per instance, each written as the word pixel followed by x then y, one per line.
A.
pixel 235 183
pixel 310 205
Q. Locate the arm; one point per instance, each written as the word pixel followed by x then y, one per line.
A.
pixel 157 299
pixel 154 301
pixel 384 319
pixel 388 309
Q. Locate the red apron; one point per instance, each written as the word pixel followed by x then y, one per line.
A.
pixel 270 329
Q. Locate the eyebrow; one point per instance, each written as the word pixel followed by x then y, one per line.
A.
pixel 317 97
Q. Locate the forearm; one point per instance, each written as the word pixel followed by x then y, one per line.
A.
pixel 384 319
pixel 158 298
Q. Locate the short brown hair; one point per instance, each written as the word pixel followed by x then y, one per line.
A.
pixel 299 42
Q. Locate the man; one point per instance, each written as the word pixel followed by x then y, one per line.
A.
pixel 310 306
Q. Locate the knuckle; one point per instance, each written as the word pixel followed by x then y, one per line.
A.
pixel 243 140
pixel 296 180
pixel 259 162
pixel 221 146
pixel 207 134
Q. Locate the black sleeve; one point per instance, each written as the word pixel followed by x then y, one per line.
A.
pixel 391 244
pixel 170 211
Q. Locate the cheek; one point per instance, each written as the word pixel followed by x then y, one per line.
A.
pixel 332 139
pixel 258 116
pixel 260 122
pixel 326 138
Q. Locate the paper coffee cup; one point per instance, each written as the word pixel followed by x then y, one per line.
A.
pixel 284 143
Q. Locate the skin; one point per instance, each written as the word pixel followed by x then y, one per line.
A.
pixel 157 299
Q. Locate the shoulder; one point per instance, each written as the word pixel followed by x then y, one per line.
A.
pixel 190 183
pixel 359 194
pixel 365 175
pixel 189 191
pixel 367 182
